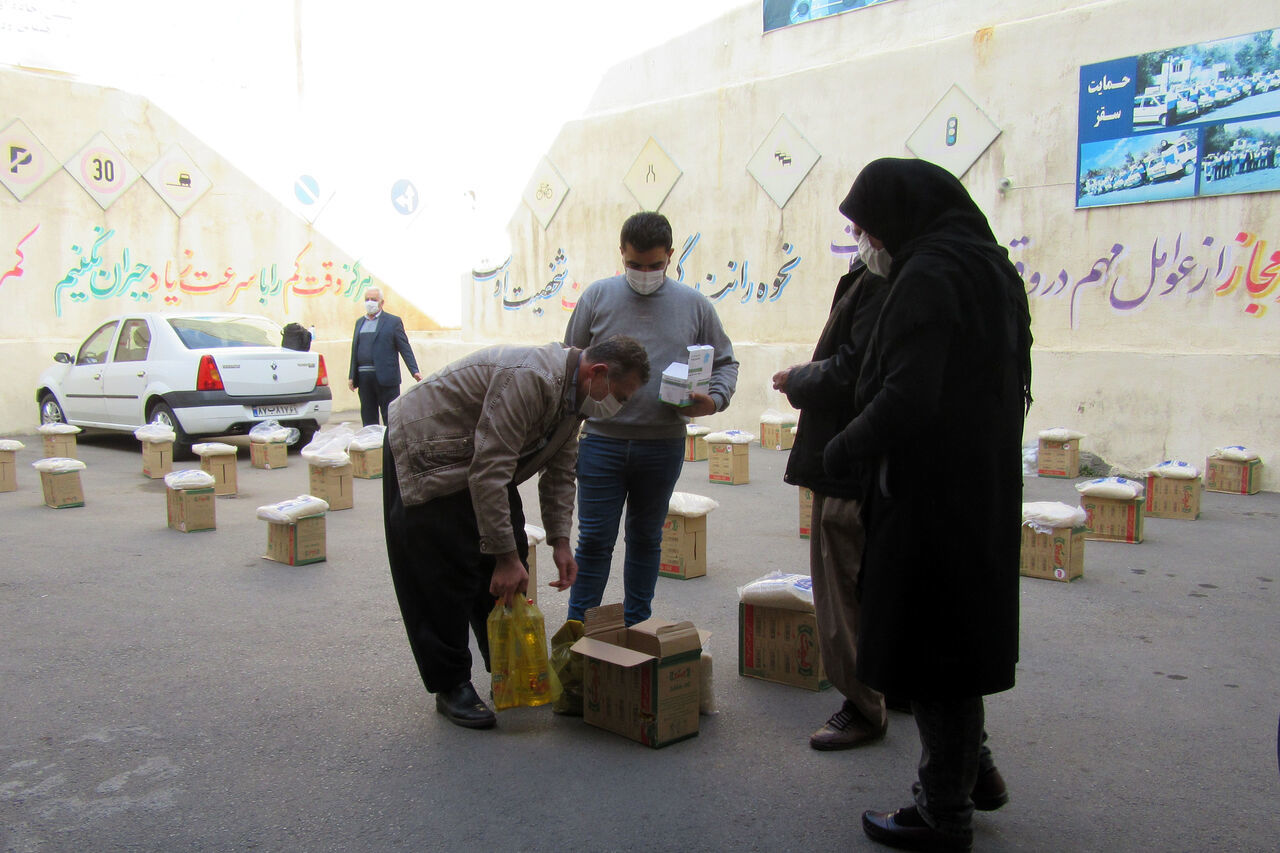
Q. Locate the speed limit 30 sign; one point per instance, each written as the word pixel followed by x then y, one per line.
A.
pixel 102 170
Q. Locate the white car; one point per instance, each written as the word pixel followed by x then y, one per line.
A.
pixel 203 375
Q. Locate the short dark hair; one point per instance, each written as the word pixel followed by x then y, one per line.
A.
pixel 623 355
pixel 645 231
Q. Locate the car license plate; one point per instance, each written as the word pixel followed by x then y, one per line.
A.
pixel 274 411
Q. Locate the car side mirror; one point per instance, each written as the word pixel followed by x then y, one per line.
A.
pixel 63 358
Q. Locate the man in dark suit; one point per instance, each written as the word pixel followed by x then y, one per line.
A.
pixel 375 371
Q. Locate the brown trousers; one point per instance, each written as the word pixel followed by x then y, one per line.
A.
pixel 836 542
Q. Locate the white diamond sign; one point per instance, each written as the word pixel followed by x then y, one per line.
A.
pixel 102 170
pixel 782 161
pixel 545 192
pixel 954 133
pixel 652 176
pixel 176 179
pixel 25 163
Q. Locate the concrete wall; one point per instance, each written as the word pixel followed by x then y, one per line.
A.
pixel 66 265
pixel 1169 375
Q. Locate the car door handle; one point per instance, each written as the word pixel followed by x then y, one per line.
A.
pixel 97 376
pixel 142 373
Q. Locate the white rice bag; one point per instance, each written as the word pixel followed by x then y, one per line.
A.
pixel 193 478
pixel 706 692
pixel 368 438
pixel 690 505
pixel 1060 434
pixel 1044 516
pixel 731 436
pixel 58 465
pixel 57 429
pixel 1234 453
pixel 773 416
pixel 779 589
pixel 535 533
pixel 155 434
pixel 287 512
pixel 329 449
pixel 271 432
pixel 11 444
pixel 212 448
pixel 696 429
pixel 1175 470
pixel 1119 488
pixel 1031 459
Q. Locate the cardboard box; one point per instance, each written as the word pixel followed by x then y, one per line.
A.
pixel 806 512
pixel 1059 458
pixel 333 485
pixel 366 464
pixel 1173 497
pixel 728 463
pixel 268 454
pixel 675 385
pixel 695 448
pixel 642 682
pixel 701 358
pixel 223 468
pixel 775 644
pixel 192 509
pixel 8 470
pixel 60 444
pixel 62 490
pixel 1236 478
pixel 157 458
pixel 777 436
pixel 1113 519
pixel 684 547
pixel 1057 556
pixel 299 543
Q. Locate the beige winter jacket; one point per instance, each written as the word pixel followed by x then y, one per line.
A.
pixel 492 418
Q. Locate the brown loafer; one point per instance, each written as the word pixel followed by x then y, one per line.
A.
pixel 989 792
pixel 845 730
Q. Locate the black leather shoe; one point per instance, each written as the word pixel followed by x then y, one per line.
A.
pixel 989 792
pixel 463 707
pixel 906 830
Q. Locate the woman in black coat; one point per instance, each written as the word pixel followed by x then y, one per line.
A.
pixel 942 394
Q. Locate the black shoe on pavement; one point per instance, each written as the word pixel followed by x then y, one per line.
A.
pixel 463 707
pixel 906 830
pixel 989 792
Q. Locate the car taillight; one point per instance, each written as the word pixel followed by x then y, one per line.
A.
pixel 207 376
pixel 322 378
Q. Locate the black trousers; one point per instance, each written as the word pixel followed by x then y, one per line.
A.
pixel 953 751
pixel 441 578
pixel 374 398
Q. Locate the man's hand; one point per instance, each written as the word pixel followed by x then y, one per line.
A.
pixel 701 406
pixel 509 578
pixel 417 377
pixel 562 554
pixel 780 378
pixel 351 383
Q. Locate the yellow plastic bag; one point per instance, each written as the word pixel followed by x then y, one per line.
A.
pixel 518 656
pixel 567 667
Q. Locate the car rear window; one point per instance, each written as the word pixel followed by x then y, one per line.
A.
pixel 213 332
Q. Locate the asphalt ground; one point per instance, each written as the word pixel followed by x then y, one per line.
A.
pixel 170 691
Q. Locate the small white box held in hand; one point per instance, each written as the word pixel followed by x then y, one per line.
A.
pixel 680 380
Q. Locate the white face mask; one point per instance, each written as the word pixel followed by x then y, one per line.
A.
pixel 370 307
pixel 605 408
pixel 645 282
pixel 877 260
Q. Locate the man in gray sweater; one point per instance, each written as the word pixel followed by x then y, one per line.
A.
pixel 634 458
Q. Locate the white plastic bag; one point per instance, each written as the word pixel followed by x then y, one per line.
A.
pixel 271 432
pixel 1060 434
pixel 58 465
pixel 706 688
pixel 58 429
pixel 535 533
pixel 11 444
pixel 1031 459
pixel 1045 516
pixel 1175 470
pixel 773 416
pixel 731 436
pixel 696 429
pixel 779 589
pixel 1119 488
pixel 329 449
pixel 155 434
pixel 287 512
pixel 1234 453
pixel 192 478
pixel 212 448
pixel 690 505
pixel 368 438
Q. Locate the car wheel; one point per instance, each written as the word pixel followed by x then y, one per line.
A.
pixel 50 411
pixel 161 414
pixel 1164 119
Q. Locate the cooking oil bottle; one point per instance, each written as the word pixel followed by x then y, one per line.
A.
pixel 500 658
pixel 533 680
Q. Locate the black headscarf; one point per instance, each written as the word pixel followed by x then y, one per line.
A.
pixel 917 208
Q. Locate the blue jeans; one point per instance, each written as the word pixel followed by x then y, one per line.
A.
pixel 641 473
